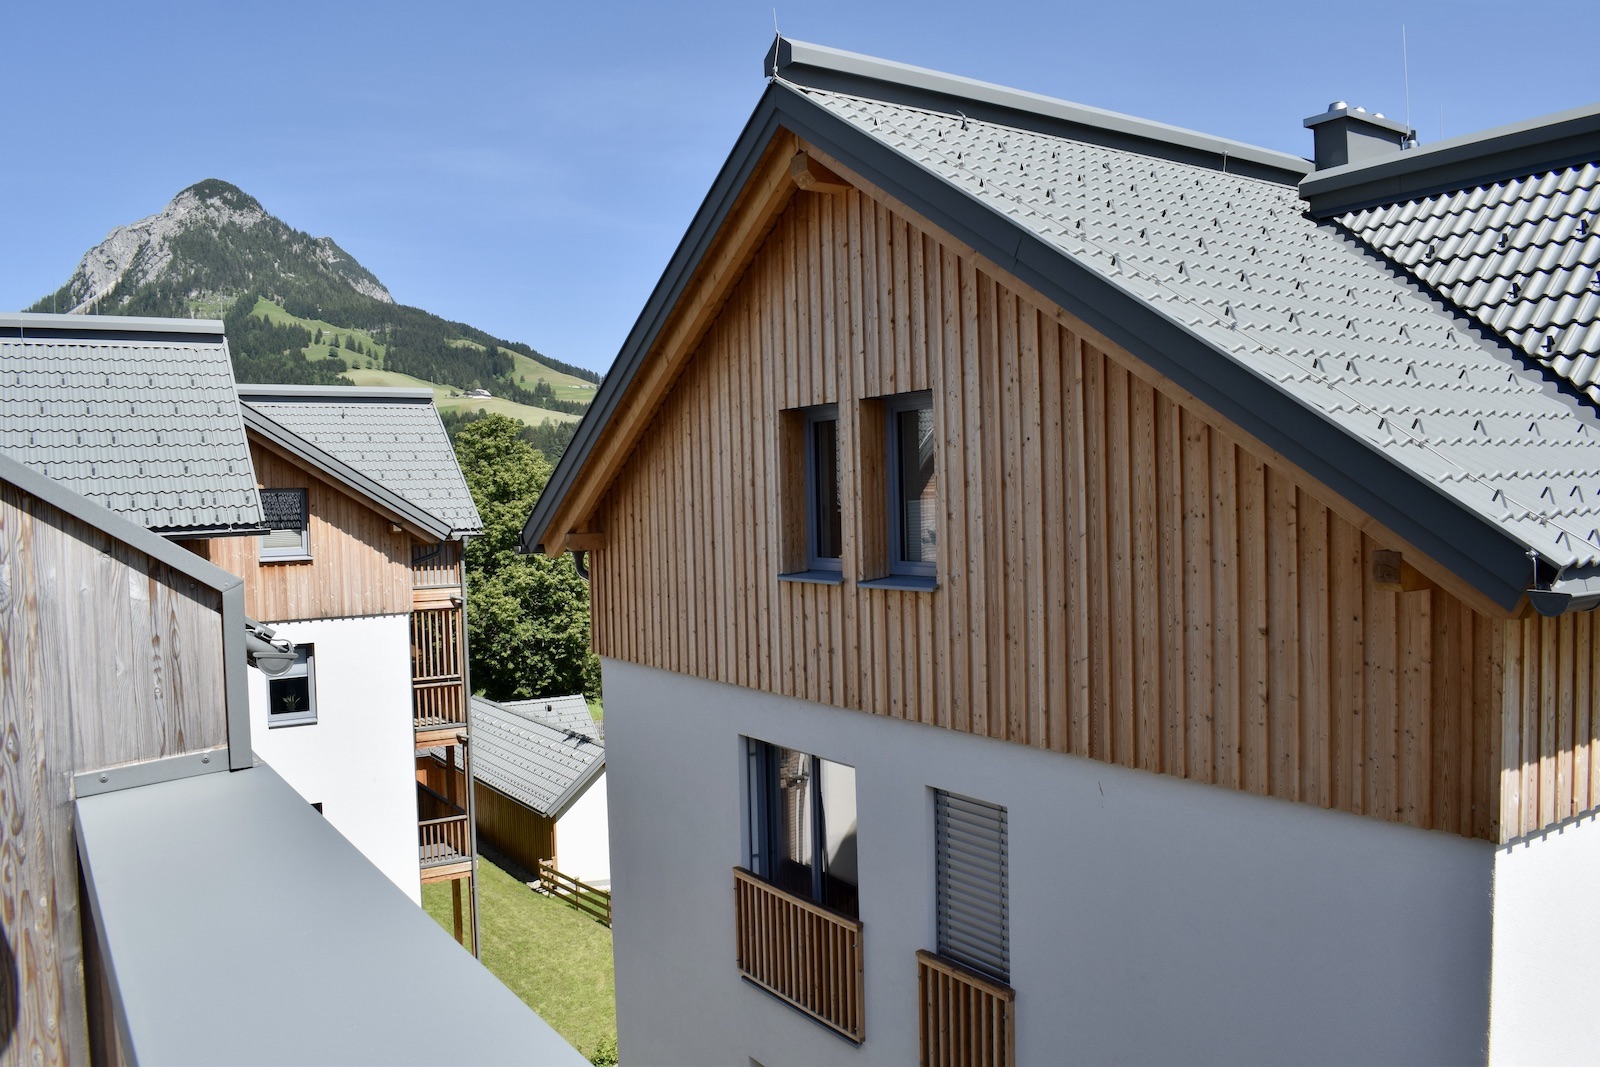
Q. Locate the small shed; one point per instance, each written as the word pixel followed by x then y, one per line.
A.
pixel 539 766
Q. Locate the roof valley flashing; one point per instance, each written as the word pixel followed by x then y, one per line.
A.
pixel 1313 347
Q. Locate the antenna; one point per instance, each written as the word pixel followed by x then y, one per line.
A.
pixel 1405 72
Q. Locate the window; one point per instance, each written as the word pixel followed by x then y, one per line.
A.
pixel 286 514
pixel 813 520
pixel 803 825
pixel 824 517
pixel 972 881
pixel 913 537
pixel 292 695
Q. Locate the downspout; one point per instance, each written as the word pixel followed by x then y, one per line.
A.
pixel 466 750
pixel 580 560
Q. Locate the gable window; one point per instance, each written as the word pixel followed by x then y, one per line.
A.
pixel 814 519
pixel 292 695
pixel 287 536
pixel 912 453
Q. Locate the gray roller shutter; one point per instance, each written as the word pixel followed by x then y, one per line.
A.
pixel 974 926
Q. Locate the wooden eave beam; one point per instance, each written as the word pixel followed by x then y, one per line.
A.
pixel 765 196
pixel 813 177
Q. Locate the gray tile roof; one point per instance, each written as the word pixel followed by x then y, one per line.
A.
pixel 535 762
pixel 1522 256
pixel 567 713
pixel 392 436
pixel 143 422
pixel 1236 262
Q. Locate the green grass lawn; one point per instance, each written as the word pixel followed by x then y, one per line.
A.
pixel 554 957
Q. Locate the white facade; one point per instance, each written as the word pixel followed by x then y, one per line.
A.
pixel 1546 947
pixel 356 759
pixel 583 843
pixel 1153 920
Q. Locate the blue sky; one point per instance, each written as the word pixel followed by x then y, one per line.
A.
pixel 528 168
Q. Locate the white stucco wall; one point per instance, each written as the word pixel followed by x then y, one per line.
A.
pixel 1546 947
pixel 583 840
pixel 1153 920
pixel 357 758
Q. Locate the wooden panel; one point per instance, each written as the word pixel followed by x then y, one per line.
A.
pixel 963 1017
pixel 1120 576
pixel 1550 733
pixel 106 657
pixel 360 565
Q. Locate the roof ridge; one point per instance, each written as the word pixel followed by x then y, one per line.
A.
pixel 800 64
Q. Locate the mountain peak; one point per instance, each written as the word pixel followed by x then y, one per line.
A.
pixel 212 242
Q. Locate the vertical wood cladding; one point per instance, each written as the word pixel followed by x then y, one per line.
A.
pixel 106 657
pixel 1118 578
pixel 359 565
pixel 1550 730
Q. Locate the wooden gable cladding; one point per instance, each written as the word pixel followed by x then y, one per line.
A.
pixel 1550 729
pixel 1119 577
pixel 360 565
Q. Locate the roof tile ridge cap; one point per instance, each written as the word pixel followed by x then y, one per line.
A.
pixel 1399 433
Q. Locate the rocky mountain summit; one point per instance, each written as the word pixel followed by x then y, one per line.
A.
pixel 211 243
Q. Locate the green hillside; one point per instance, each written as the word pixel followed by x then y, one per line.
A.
pixel 300 310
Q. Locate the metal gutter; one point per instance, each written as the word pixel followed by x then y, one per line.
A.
pixel 344 474
pixel 1453 535
pixel 39 324
pixel 252 393
pixel 1515 150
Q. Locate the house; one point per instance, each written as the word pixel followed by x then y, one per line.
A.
pixel 165 890
pixel 1104 592
pixel 361 567
pixel 540 776
pixel 356 558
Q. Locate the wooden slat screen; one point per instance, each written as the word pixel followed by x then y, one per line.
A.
pixel 437 648
pixel 800 952
pixel 1119 577
pixel 436 566
pixel 964 1019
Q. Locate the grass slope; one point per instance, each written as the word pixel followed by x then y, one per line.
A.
pixel 553 957
pixel 368 370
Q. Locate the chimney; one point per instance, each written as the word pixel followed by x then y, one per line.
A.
pixel 1346 134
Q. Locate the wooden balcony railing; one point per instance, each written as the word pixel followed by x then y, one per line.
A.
pixel 800 952
pixel 963 1018
pixel 436 566
pixel 443 840
pixel 436 668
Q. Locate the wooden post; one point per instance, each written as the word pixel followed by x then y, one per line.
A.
pixel 455 908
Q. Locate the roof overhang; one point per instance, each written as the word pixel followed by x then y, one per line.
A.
pixel 107 327
pixel 216 899
pixel 1482 555
pixel 394 506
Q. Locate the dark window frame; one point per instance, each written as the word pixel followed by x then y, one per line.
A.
pixel 287 553
pixel 764 815
pixel 814 507
pixel 304 666
pixel 893 408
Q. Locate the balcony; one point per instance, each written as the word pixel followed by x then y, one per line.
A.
pixel 438 702
pixel 444 839
pixel 435 574
pixel 801 953
pixel 963 1017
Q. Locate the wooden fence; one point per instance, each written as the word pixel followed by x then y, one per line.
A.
pixel 591 900
pixel 801 952
pixel 964 1019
